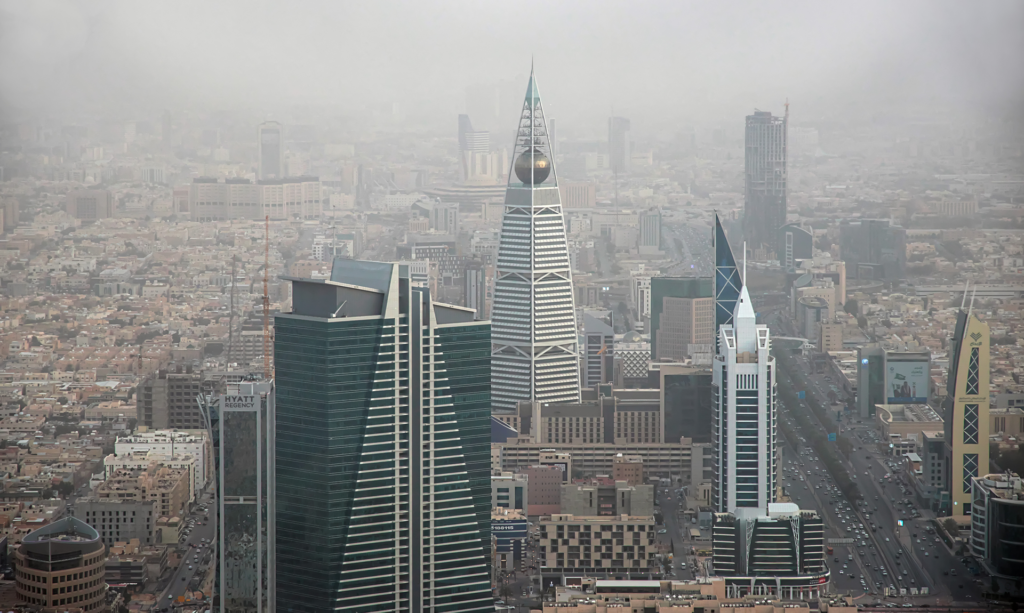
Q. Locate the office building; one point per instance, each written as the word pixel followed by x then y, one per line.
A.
pixel 686 398
pixel 781 552
pixel 89 204
pixel 270 141
pixel 620 149
pixel 118 520
pixel 604 415
pixel 793 243
pixel 168 400
pixel 966 419
pixel 167 488
pixel 510 531
pixel 245 477
pixel 640 284
pixel 662 460
pixel 650 231
pixel 830 337
pixel 997 522
pixel 472 144
pixel 727 281
pixel 874 249
pixel 811 312
pixel 577 195
pixel 604 498
pixel 384 393
pixel 597 546
pixel 141 460
pixel 170 444
pixel 534 352
pixel 476 293
pixel 280 199
pixel 510 491
pixel 870 379
pixel 682 317
pixel 11 212
pixel 60 567
pixel 765 175
pixel 544 489
pixel 628 468
pixel 744 419
pixel 598 348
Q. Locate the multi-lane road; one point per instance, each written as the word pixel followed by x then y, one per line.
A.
pixel 891 556
pixel 197 555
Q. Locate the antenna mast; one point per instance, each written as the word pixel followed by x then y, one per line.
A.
pixel 266 299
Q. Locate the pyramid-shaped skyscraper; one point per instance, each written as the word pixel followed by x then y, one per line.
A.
pixel 533 322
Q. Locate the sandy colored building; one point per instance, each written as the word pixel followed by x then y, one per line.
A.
pixel 168 488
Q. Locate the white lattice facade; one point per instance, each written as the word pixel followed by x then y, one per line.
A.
pixel 533 330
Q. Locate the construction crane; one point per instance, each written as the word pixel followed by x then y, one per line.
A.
pixel 266 300
pixel 231 314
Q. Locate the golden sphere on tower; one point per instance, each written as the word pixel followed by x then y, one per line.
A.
pixel 536 161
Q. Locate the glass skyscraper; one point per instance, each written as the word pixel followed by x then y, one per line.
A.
pixel 382 447
pixel 764 207
pixel 535 350
pixel 244 434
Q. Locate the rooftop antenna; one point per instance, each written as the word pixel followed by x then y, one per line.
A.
pixel 963 300
pixel 971 308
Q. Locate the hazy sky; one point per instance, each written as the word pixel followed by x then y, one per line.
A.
pixel 666 57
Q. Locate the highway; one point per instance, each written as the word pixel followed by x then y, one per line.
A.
pixel 908 557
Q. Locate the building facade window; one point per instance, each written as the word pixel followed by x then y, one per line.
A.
pixel 970 424
pixel 973 377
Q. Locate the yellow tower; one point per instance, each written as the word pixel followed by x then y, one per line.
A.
pixel 966 413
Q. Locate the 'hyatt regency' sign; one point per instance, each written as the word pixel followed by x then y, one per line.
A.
pixel 239 403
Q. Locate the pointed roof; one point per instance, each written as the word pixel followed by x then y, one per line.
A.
pixel 744 322
pixel 532 160
pixel 744 308
pixel 532 91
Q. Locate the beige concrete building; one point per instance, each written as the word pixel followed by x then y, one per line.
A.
pixel 608 499
pixel 628 468
pixel 668 460
pixel 90 204
pixel 168 488
pixel 906 421
pixel 594 595
pixel 1006 421
pixel 597 545
pixel 60 567
pixel 544 490
pixel 684 322
pixel 830 337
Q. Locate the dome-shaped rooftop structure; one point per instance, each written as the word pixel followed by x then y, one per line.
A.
pixel 541 167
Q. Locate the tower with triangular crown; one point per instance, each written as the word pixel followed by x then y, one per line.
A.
pixel 744 414
pixel 533 319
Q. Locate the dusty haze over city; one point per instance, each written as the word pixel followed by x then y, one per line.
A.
pixel 661 63
pixel 722 304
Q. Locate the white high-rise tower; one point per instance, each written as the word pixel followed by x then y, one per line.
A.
pixel 533 319
pixel 744 419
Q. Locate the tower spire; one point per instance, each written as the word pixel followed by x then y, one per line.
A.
pixel 534 350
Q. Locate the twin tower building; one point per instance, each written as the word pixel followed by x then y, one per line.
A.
pixel 383 400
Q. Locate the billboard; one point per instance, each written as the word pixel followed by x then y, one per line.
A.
pixel 906 382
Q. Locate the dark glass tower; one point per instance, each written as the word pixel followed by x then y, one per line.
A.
pixel 764 210
pixel 727 279
pixel 382 447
